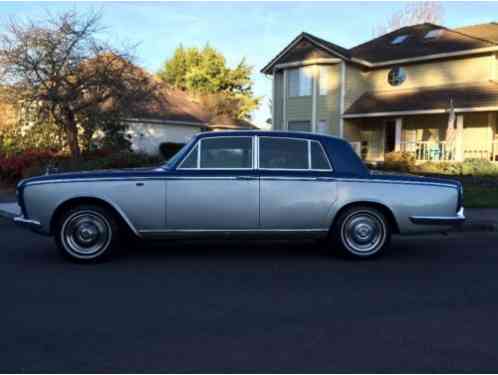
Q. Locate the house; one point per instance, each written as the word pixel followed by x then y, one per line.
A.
pixel 424 89
pixel 174 117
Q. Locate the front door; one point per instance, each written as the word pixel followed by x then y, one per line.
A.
pixel 297 191
pixel 390 144
pixel 215 188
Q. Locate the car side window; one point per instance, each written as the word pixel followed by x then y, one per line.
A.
pixel 283 153
pixel 226 153
pixel 191 160
pixel 318 158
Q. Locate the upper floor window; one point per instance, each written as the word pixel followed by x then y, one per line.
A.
pixel 396 76
pixel 299 81
pixel 220 153
pixel 399 39
pixel 324 79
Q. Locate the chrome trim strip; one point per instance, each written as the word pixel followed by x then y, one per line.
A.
pixel 440 220
pixel 396 182
pixel 22 220
pixel 165 178
pixel 309 154
pixel 277 178
pixel 232 230
pixel 33 225
pixel 110 179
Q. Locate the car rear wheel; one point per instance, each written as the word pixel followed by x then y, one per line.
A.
pixel 362 232
pixel 87 233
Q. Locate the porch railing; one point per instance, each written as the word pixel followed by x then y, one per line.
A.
pixel 487 151
pixel 430 151
pixel 446 151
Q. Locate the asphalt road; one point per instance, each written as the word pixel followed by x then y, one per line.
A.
pixel 429 305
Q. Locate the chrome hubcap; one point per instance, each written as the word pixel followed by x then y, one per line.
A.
pixel 363 232
pixel 86 233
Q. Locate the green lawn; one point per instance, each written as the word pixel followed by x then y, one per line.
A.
pixel 479 191
pixel 480 197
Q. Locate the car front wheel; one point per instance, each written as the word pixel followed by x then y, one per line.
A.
pixel 87 233
pixel 362 232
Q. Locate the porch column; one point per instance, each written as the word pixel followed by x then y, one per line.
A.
pixel 459 151
pixel 397 134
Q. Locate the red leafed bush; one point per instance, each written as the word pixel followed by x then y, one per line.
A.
pixel 12 167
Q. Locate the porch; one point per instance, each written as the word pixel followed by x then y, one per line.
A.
pixel 475 136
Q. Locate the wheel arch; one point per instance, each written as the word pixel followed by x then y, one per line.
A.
pixel 75 201
pixel 380 206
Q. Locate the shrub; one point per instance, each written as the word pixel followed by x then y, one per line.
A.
pixel 399 161
pixel 440 168
pixel 29 164
pixel 479 167
pixel 12 167
pixel 168 149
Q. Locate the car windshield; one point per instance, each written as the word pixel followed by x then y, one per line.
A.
pixel 178 155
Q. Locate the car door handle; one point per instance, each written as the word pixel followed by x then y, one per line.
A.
pixel 323 179
pixel 246 178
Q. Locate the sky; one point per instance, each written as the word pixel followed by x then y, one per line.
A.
pixel 256 31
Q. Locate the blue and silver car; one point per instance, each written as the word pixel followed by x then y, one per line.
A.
pixel 251 184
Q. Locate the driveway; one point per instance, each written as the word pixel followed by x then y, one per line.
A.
pixel 430 305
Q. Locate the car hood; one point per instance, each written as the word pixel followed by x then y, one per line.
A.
pixel 102 174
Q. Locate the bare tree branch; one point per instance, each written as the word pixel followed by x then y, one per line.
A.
pixel 413 13
pixel 69 73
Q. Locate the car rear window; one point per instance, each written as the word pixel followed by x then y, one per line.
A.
pixel 283 153
pixel 318 158
pixel 292 154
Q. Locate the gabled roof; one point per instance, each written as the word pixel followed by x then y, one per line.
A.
pixel 170 105
pixel 488 31
pixel 416 44
pixel 416 47
pixel 330 48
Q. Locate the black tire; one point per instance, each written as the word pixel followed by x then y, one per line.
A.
pixel 87 233
pixel 361 232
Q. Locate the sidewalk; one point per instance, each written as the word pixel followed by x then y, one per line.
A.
pixel 478 219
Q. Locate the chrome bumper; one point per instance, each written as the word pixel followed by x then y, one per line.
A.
pixel 456 220
pixel 29 224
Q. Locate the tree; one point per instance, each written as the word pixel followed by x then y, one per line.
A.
pixel 204 73
pixel 60 69
pixel 412 14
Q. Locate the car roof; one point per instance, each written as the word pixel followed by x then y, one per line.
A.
pixel 268 133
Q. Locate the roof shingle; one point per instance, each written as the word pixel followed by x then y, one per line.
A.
pixel 428 98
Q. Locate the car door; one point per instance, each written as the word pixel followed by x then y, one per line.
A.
pixel 215 188
pixel 297 188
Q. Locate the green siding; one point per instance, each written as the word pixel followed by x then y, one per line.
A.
pixel 329 105
pixel 299 108
pixel 278 100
